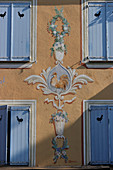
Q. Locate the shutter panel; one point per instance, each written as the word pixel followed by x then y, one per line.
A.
pixel 19 136
pixel 110 112
pixel 109 24
pixel 5 28
pixel 21 32
pixel 3 135
pixel 99 135
pixel 96 31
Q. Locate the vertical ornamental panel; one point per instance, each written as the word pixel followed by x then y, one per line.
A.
pixel 99 135
pixel 21 32
pixel 96 31
pixel 3 135
pixel 109 18
pixel 5 28
pixel 59 81
pixel 19 136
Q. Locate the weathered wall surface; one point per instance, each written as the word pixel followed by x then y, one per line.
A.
pixel 15 88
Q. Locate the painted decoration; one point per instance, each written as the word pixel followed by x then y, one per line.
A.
pixel 59 81
pixel 60 152
pixel 58 48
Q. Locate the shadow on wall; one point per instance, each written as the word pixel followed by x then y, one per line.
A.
pixel 105 94
pixel 74 134
pixel 45 153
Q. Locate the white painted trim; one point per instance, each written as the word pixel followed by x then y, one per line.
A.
pixel 82 30
pixel 84 141
pixel 86 125
pixel 15 65
pixel 32 129
pixel 34 48
pixel 99 65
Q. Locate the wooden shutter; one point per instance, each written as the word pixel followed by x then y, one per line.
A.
pixel 109 30
pixel 21 32
pixel 96 31
pixel 3 135
pixel 99 135
pixel 19 136
pixel 5 28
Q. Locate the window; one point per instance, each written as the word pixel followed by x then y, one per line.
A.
pixel 17 33
pixel 98 132
pixel 97 33
pixel 17 141
pixel 14 145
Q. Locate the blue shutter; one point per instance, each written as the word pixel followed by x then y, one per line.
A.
pixel 96 31
pixel 110 112
pixel 109 24
pixel 21 32
pixel 19 136
pixel 99 135
pixel 5 28
pixel 3 135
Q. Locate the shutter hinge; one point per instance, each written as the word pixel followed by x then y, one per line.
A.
pixel 86 59
pixel 29 109
pixel 89 108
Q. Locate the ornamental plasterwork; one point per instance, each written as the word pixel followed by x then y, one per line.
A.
pixel 59 81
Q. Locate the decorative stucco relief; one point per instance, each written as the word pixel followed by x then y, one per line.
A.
pixel 59 81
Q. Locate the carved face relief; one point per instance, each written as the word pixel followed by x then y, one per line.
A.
pixel 59 79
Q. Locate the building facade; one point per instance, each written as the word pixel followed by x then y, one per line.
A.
pixel 28 111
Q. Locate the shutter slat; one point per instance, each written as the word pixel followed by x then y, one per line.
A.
pixel 5 28
pixel 96 5
pixel 96 32
pixel 99 135
pixel 109 25
pixel 21 32
pixel 110 111
pixel 3 135
pixel 19 143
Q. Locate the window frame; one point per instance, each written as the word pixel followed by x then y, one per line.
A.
pixel 86 126
pixel 32 125
pixel 33 38
pixel 85 59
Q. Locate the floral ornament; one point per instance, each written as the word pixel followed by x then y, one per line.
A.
pixel 59 117
pixel 59 37
pixel 60 151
